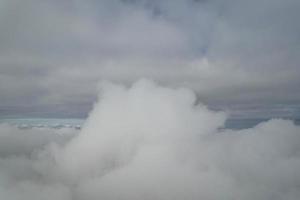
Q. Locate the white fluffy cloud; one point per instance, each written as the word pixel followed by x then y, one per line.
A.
pixel 152 142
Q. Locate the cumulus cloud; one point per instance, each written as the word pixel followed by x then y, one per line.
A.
pixel 151 142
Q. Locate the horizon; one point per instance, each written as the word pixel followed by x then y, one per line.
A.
pixel 235 55
pixel 149 99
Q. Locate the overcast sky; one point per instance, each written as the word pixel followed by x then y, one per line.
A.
pixel 236 54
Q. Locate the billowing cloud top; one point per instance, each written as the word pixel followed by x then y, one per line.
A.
pixel 53 53
pixel 152 143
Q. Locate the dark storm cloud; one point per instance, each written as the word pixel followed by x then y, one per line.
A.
pixel 230 52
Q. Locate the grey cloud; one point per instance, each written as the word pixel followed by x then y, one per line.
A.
pixel 233 52
pixel 23 142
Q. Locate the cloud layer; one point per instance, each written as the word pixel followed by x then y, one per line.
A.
pixel 53 53
pixel 151 142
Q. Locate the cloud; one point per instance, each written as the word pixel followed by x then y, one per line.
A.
pixel 233 52
pixel 151 142
pixel 23 142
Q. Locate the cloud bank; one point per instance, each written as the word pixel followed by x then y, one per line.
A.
pixel 53 53
pixel 151 142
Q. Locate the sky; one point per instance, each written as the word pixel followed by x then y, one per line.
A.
pixel 236 55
